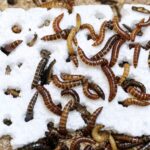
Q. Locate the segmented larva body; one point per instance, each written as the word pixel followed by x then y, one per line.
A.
pixel 137 93
pixel 118 29
pixel 11 46
pixel 74 60
pixel 144 24
pixel 76 142
pixel 91 30
pixel 48 100
pixel 63 118
pixel 59 35
pixel 88 61
pixel 56 4
pixel 115 52
pixel 39 71
pixel 149 59
pixel 109 44
pixel 127 145
pixel 141 9
pixel 135 31
pixel 101 35
pixel 65 85
pixel 125 73
pixel 92 120
pixel 112 82
pixel 70 77
pixel 56 23
pixel 133 101
pixel 29 113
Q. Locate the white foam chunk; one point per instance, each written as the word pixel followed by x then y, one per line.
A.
pixel 132 120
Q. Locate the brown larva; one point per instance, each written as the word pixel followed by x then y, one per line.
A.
pixel 144 24
pixel 48 100
pixel 29 113
pixel 112 142
pixel 16 29
pixel 32 42
pixel 141 9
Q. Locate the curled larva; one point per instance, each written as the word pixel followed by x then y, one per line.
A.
pixel 48 100
pixel 88 61
pixel 65 85
pixel 118 29
pixel 77 141
pixel 63 118
pixel 109 44
pixel 29 113
pixel 101 35
pixel 133 101
pixel 56 23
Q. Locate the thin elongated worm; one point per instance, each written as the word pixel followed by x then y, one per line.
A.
pixel 141 9
pixel 39 71
pixel 109 44
pixel 111 79
pixel 133 101
pixel 48 100
pixel 59 35
pixel 125 73
pixel 78 21
pixel 115 52
pixel 91 30
pixel 76 142
pixel 65 85
pixel 88 61
pixel 144 24
pixel 63 118
pixel 29 113
pixel 119 30
pixel 101 35
pixel 56 23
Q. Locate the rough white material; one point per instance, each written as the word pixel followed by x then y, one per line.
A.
pixel 132 120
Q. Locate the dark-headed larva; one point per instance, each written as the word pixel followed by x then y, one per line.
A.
pixel 137 49
pixel 115 52
pixel 118 29
pixel 63 118
pixel 133 101
pixel 137 93
pixel 101 35
pixel 65 85
pixel 77 141
pixel 48 100
pixel 141 9
pixel 59 35
pixel 29 113
pixel 39 71
pixel 88 61
pixel 109 44
pixel 91 29
pixel 111 79
pixel 56 23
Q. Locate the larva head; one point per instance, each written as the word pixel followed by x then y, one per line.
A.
pixel 29 116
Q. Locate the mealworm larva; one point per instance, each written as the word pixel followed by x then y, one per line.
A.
pixel 144 24
pixel 63 118
pixel 125 73
pixel 100 136
pixel 65 85
pixel 39 71
pixel 119 30
pixel 78 21
pixel 92 120
pixel 59 35
pixel 137 93
pixel 115 52
pixel 77 141
pixel 133 101
pixel 112 82
pixel 91 30
pixel 29 113
pixel 32 42
pixel 74 60
pixel 141 9
pixel 137 49
pixel 56 4
pixel 47 75
pixel 135 31
pixel 11 46
pixel 56 23
pixel 112 143
pixel 101 35
pixel 109 44
pixel 48 100
pixel 88 61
